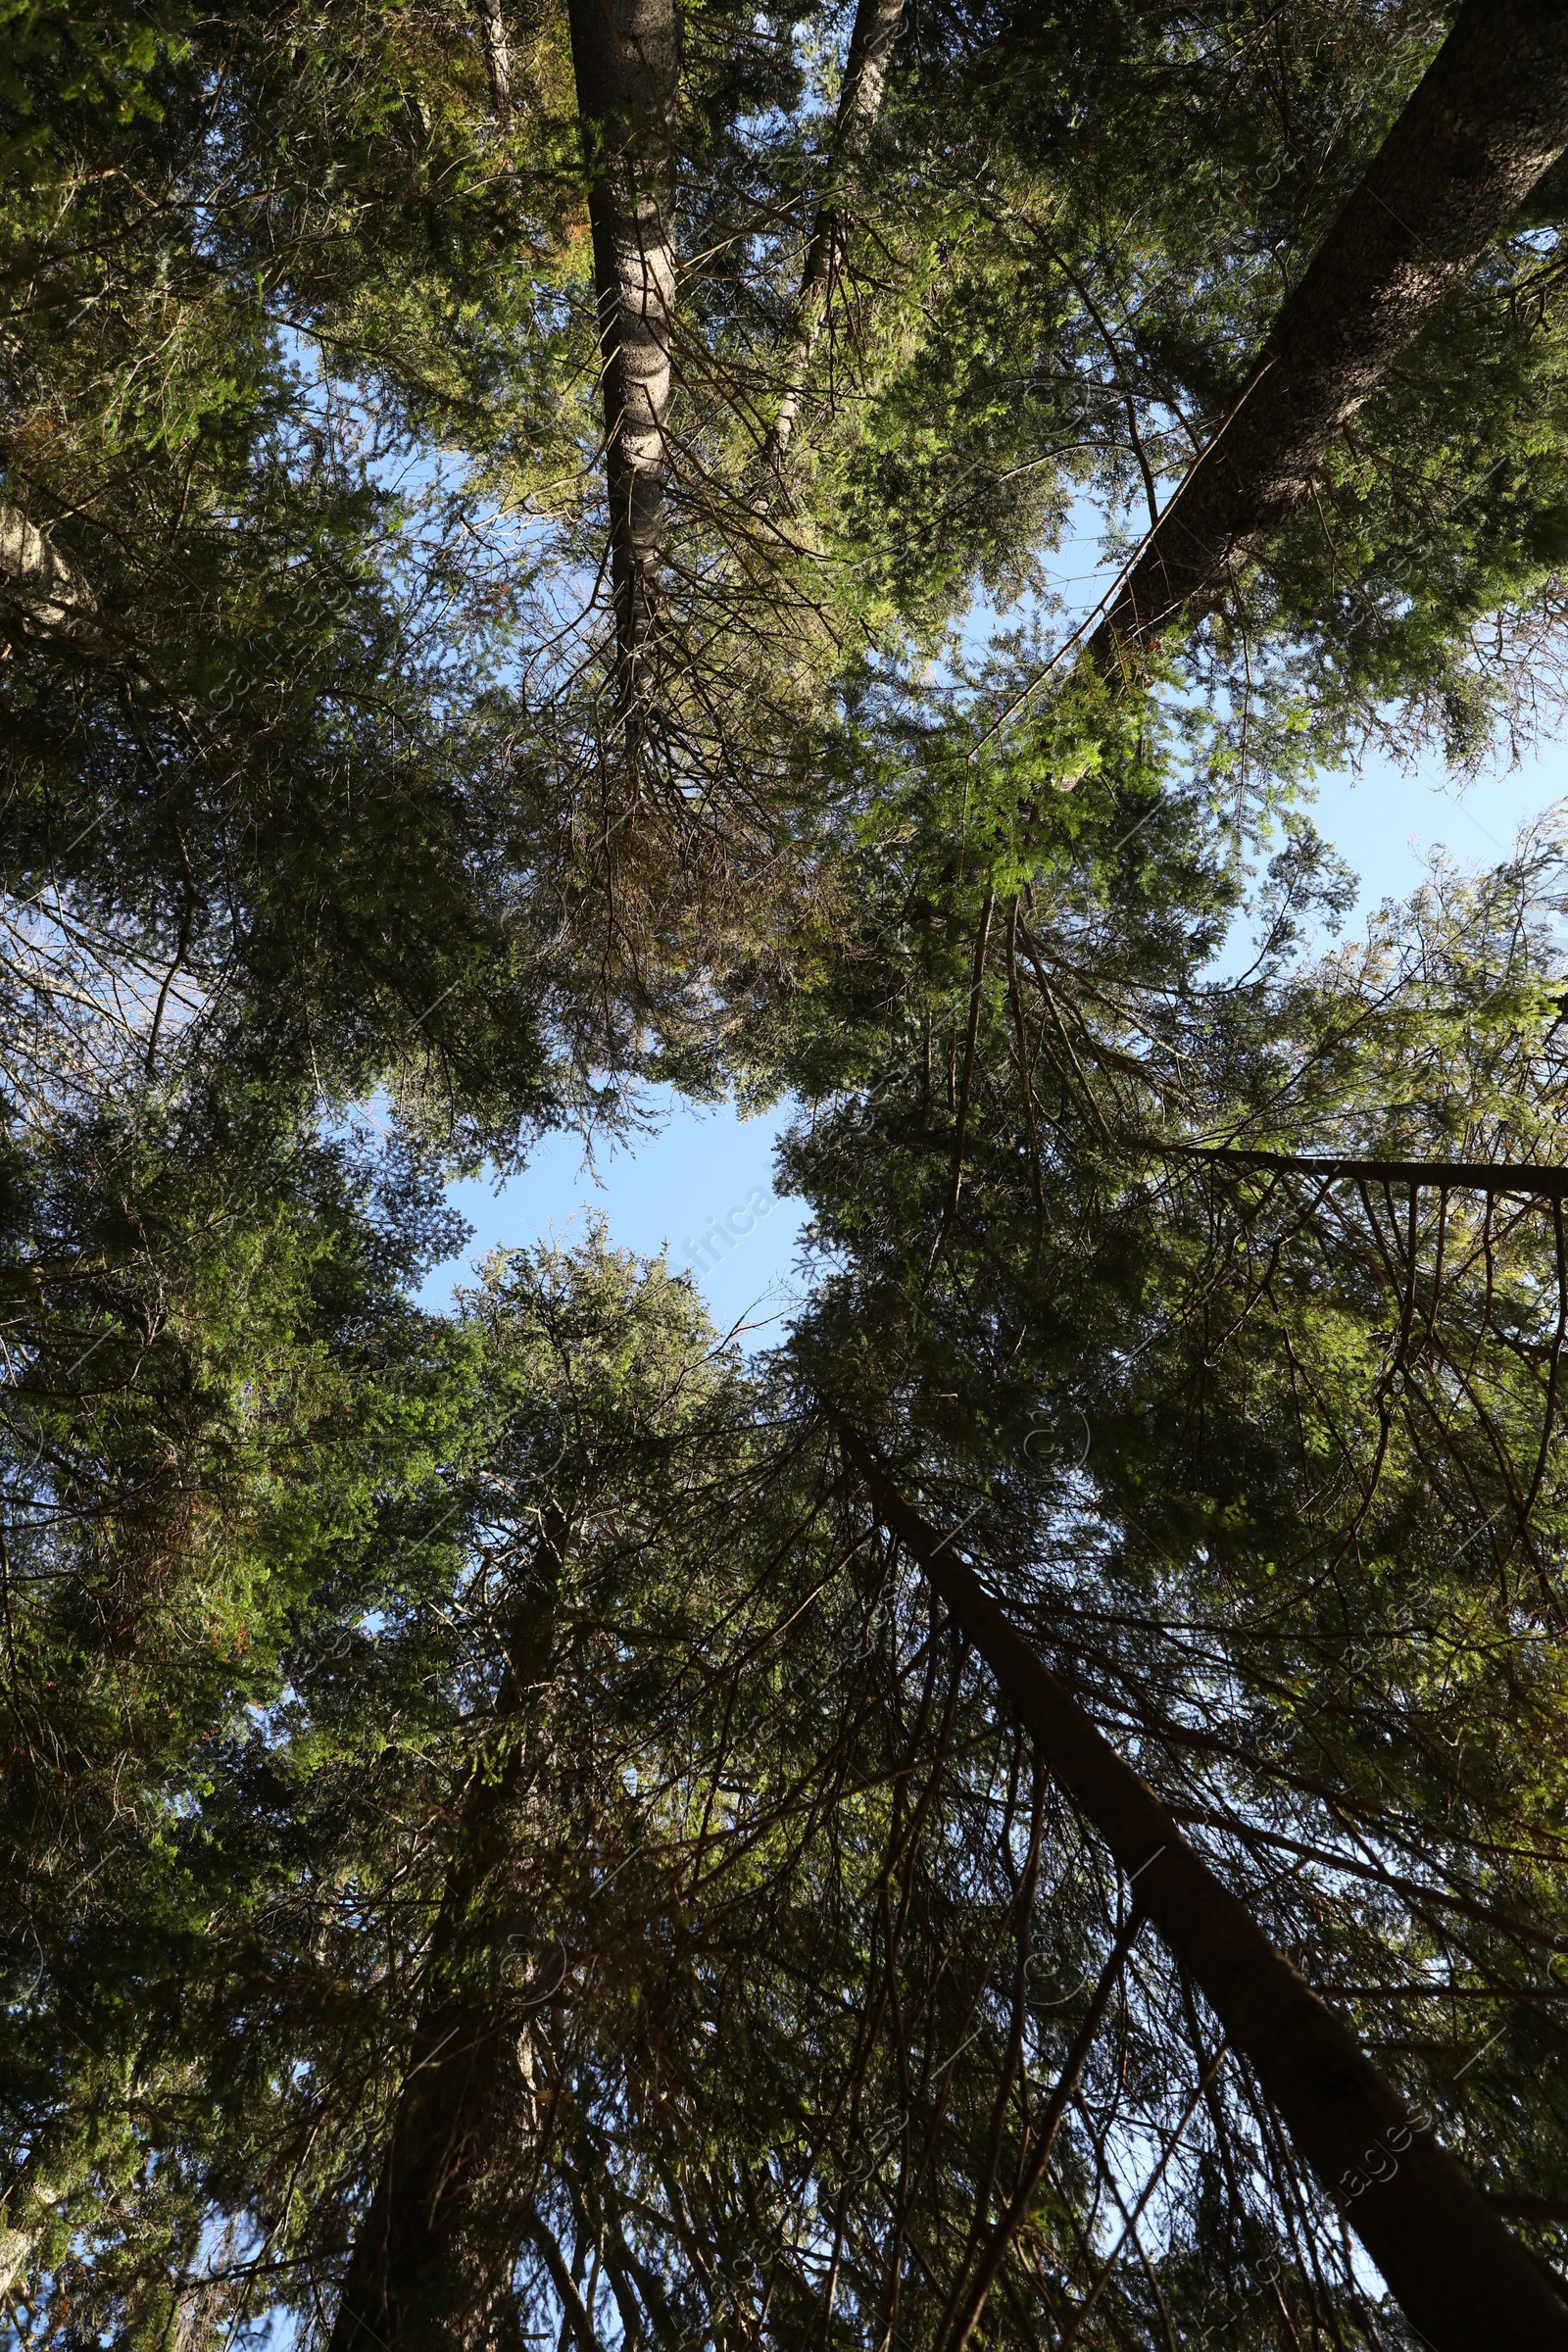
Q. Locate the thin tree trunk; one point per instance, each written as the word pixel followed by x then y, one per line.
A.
pixel 865 73
pixel 569 2295
pixel 1489 117
pixel 432 2264
pixel 1463 2280
pixel 497 57
pixel 626 58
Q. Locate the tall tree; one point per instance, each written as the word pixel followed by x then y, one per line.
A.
pixel 1488 119
pixel 1458 2273
pixel 627 64
pixel 1413 1455
pixel 217 1399
pixel 866 74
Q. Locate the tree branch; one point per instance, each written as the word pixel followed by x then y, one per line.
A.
pixel 1463 2281
pixel 865 73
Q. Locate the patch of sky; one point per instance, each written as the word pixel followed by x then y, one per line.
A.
pixel 698 1189
pixel 700 1186
pixel 1389 821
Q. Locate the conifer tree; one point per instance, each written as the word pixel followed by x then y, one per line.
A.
pixel 634 1907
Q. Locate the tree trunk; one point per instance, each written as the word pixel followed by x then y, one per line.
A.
pixel 1489 117
pixel 48 593
pixel 865 73
pixel 497 57
pixel 626 58
pixel 1464 2283
pixel 432 2263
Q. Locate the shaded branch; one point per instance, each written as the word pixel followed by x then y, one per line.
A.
pixel 1460 2276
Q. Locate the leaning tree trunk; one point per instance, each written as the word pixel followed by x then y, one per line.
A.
pixel 1522 1179
pixel 1489 117
pixel 1465 2284
pixel 432 2264
pixel 865 73
pixel 626 58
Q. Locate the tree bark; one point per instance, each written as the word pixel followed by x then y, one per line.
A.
pixel 1462 2279
pixel 432 2264
pixel 626 59
pixel 49 593
pixel 865 73
pixel 497 57
pixel 1489 117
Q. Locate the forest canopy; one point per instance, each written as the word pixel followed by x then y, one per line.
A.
pixel 536 563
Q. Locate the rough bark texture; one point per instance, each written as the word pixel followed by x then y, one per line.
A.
pixel 48 593
pixel 433 2261
pixel 1462 2279
pixel 865 73
pixel 432 2264
pixel 1489 117
pixel 497 55
pixel 626 58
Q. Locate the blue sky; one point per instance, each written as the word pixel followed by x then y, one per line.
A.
pixel 702 1187
pixel 1386 823
pixel 707 1177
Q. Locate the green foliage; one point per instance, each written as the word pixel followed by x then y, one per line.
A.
pixel 539 1667
pixel 220 1401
